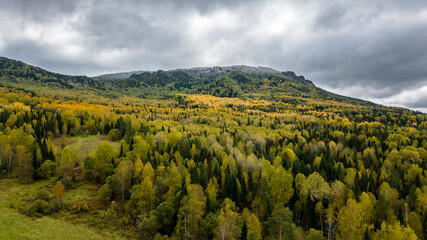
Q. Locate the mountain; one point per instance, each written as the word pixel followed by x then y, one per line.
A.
pixel 232 81
pixel 17 71
pixel 201 72
pixel 239 81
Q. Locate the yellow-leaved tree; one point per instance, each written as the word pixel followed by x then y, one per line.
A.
pixel 395 231
pixel 147 196
pixel 227 221
pixel 350 222
pixel 190 214
pixel 58 193
pixel 281 186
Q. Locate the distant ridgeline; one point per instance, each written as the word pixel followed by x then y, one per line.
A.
pixel 19 72
pixel 258 83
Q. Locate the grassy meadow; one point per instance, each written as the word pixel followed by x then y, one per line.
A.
pixel 14 225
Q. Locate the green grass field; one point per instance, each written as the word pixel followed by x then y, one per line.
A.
pixel 14 225
pixel 85 145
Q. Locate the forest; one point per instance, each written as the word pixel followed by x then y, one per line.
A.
pixel 188 155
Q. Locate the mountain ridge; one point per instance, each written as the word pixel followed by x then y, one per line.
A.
pixel 198 71
pixel 240 81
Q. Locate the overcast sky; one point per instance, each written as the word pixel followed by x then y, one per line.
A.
pixel 375 50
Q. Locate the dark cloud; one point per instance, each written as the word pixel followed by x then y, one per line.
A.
pixel 331 17
pixel 203 6
pixel 373 50
pixel 393 57
pixel 40 10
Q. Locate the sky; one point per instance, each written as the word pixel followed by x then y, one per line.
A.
pixel 374 50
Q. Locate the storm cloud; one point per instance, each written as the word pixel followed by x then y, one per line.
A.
pixel 375 50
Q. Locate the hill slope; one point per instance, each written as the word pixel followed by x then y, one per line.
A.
pixel 17 71
pixel 234 81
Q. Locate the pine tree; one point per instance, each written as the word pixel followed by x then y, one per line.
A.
pixel 367 235
pixel 280 223
pixel 244 231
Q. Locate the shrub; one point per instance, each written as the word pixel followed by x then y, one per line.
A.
pixel 105 194
pixel 79 205
pixel 104 171
pixel 47 169
pixel 37 209
pixel 114 135
pixel 147 228
pixel 55 205
pixel 88 168
pixel 72 133
pixel 43 194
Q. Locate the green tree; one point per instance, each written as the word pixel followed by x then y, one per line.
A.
pixel 383 212
pixel 47 169
pixel 141 149
pixel 415 223
pixel 103 154
pixel 102 161
pixel 209 224
pixel 4 142
pixel 68 157
pixel 280 225
pixel 114 135
pixel 164 215
pixel 147 228
pixel 314 234
pixel 244 231
pixel 281 186
pixel 25 167
pixel 412 173
pixel 104 194
pixel 367 234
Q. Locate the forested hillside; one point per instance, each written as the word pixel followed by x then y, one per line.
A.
pixel 204 154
